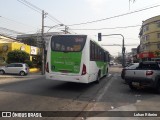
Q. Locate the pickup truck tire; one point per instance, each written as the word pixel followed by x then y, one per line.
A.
pixel 131 86
pixel 158 87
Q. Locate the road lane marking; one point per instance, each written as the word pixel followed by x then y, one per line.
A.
pixel 100 94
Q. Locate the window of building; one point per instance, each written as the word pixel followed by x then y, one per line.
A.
pixel 146 47
pixel 158 35
pixel 158 46
pixel 143 38
pixel 146 37
pixel 158 24
pixel 145 28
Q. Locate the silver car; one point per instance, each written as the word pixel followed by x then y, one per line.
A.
pixel 15 68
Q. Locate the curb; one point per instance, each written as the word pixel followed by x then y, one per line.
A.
pixel 17 76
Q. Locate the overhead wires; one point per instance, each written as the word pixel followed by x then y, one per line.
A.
pixel 116 16
pixel 123 27
pixel 39 10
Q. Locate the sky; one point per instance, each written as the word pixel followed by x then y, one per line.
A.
pixel 19 17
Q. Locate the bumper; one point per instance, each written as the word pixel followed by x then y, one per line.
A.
pixel 69 78
pixel 147 82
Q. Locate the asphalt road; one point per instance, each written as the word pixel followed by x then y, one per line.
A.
pixel 111 94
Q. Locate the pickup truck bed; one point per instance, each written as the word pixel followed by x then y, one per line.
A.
pixel 147 74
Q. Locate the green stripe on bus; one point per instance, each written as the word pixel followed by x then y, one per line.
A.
pixel 65 61
pixel 102 66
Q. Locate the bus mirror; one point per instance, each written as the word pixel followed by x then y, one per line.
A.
pixel 99 36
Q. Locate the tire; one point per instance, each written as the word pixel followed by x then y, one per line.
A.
pixel 2 72
pixel 131 86
pixel 22 73
pixel 158 87
pixel 106 73
pixel 98 78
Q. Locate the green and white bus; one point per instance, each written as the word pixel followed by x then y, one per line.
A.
pixel 76 58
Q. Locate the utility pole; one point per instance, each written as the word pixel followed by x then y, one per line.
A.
pixel 43 44
pixel 66 29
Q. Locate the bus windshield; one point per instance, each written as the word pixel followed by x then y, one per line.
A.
pixel 68 43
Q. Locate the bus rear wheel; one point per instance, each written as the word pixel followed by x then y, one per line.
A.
pixel 98 78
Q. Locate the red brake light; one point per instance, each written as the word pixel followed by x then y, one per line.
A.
pixel 84 70
pixel 47 68
pixel 149 72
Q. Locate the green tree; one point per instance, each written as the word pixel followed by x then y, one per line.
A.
pixel 17 56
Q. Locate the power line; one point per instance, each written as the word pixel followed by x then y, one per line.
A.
pixel 123 27
pixel 12 31
pixel 53 18
pixel 116 16
pixel 17 22
pixel 28 5
pixel 37 9
pixel 32 5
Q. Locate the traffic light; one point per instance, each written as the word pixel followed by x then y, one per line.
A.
pixel 99 36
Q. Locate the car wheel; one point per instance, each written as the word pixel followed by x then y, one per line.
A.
pixel 22 73
pixel 131 86
pixel 2 72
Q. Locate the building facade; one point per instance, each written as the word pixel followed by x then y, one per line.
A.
pixel 9 45
pixel 150 39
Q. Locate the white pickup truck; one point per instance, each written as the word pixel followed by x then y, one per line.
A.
pixel 147 74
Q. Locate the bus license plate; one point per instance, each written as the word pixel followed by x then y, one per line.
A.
pixel 135 83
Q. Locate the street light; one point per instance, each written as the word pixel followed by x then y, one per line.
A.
pixel 50 27
pixel 123 48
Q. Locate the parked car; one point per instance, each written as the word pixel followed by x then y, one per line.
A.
pixel 15 68
pixel 147 74
pixel 130 66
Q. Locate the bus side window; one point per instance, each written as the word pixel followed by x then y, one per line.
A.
pixel 57 46
pixel 63 48
pixel 104 57
pixel 92 51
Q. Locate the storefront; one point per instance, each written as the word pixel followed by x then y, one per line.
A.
pixel 149 56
